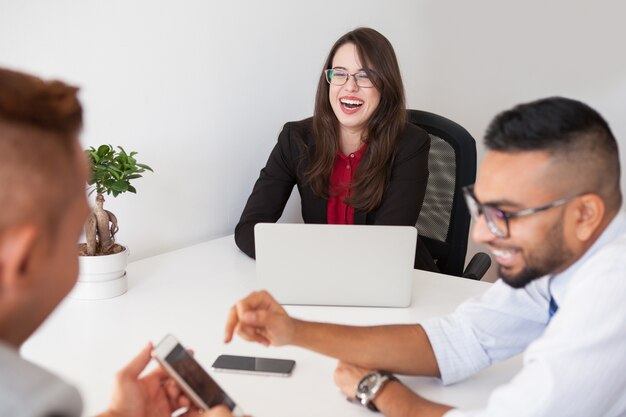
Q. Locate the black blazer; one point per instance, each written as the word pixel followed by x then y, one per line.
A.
pixel 401 201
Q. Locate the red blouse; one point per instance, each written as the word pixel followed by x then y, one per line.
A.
pixel 337 211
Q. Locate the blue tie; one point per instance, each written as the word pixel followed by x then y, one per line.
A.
pixel 553 307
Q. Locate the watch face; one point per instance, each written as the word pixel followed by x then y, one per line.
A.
pixel 367 383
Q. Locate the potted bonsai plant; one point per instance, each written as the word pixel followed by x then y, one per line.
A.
pixel 103 261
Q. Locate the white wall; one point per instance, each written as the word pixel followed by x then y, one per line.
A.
pixel 484 56
pixel 201 89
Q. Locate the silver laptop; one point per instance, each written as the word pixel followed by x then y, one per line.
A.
pixel 339 265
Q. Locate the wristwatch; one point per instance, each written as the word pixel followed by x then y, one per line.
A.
pixel 370 386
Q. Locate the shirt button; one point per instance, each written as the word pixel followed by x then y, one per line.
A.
pixel 348 166
pixel 351 155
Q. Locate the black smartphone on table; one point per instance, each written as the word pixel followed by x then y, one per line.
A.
pixel 253 365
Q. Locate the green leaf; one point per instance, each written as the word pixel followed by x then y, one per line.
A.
pixel 94 157
pixel 120 186
pixel 132 189
pixel 103 150
pixel 108 183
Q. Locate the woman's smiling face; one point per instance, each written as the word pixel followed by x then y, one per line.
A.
pixel 353 105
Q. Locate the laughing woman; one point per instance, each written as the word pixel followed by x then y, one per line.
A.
pixel 357 160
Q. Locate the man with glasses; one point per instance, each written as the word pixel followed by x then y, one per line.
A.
pixel 547 203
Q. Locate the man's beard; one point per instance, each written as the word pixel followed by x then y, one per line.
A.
pixel 543 260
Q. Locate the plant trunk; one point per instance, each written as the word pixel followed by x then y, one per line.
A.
pixel 100 237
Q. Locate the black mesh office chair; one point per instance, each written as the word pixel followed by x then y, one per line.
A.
pixel 444 220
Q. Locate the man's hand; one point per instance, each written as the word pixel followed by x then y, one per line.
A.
pixel 259 318
pixel 153 395
pixel 219 411
pixel 348 376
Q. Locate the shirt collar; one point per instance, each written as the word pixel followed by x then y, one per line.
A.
pixel 7 349
pixel 560 281
pixel 358 154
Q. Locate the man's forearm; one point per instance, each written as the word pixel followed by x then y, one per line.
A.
pixel 403 349
pixel 396 400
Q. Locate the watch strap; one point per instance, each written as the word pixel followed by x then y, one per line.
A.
pixel 388 378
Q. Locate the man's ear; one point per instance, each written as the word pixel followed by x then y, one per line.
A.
pixel 17 245
pixel 589 215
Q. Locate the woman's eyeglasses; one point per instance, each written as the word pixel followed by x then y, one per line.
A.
pixel 337 76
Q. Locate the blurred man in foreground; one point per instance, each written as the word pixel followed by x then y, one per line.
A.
pixel 43 205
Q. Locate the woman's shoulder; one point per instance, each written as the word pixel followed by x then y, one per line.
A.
pixel 300 131
pixel 413 137
pixel 303 126
pixel 296 137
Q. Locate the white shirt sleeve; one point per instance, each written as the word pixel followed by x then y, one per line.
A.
pixel 488 329
pixel 578 366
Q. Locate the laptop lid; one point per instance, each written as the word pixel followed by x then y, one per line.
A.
pixel 340 265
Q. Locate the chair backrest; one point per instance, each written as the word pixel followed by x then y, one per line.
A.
pixel 444 220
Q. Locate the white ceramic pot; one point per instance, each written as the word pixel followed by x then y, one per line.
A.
pixel 101 277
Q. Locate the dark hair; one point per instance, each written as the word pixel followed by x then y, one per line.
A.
pixel 49 105
pixel 39 124
pixel 383 130
pixel 566 129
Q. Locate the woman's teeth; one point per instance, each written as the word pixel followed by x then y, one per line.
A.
pixel 351 104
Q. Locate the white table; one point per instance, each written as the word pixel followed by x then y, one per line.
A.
pixel 188 293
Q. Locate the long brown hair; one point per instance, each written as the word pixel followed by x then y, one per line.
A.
pixel 383 129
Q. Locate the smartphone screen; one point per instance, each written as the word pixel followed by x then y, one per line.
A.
pixel 197 378
pixel 248 364
pixel 191 377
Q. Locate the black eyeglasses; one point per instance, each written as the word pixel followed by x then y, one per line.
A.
pixel 498 220
pixel 338 76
